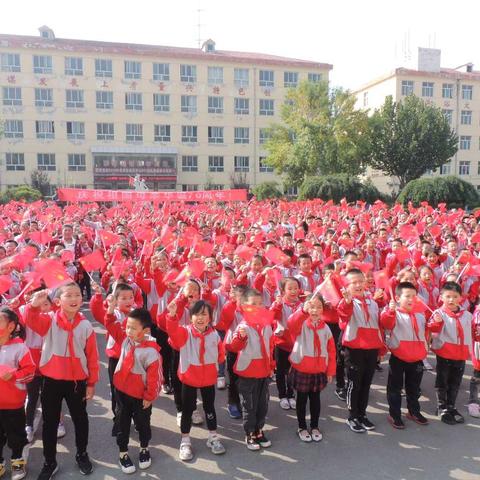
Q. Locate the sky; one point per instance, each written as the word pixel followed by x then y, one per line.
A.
pixel 363 39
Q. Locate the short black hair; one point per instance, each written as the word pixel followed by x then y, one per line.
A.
pixel 404 286
pixel 142 315
pixel 355 271
pixel 451 287
pixel 200 306
pixel 122 287
pixel 285 280
pixel 19 331
pixel 249 293
pixel 304 255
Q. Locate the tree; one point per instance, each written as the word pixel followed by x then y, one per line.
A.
pixel 22 193
pixel 456 193
pixel 266 190
pixel 322 133
pixel 410 137
pixel 239 180
pixel 40 181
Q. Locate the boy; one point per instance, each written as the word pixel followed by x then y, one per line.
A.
pixel 362 341
pixel 451 329
pixel 69 365
pixel 308 280
pixel 137 381
pixel 406 343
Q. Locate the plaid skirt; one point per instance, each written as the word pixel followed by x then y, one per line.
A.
pixel 307 382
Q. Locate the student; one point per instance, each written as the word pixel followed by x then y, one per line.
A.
pixel 69 365
pixel 137 381
pixel 313 362
pixel 451 328
pixel 473 404
pixel 201 350
pixel 407 345
pixel 17 370
pixel 307 279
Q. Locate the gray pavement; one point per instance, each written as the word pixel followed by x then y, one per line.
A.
pixel 437 451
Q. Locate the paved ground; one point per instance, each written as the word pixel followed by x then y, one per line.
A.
pixel 435 452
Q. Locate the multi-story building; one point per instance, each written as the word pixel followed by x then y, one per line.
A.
pixel 455 90
pixel 93 114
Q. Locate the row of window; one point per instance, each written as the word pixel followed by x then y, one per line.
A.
pixel 216 163
pixel 463 168
pixel 46 162
pixel 428 89
pixel 132 69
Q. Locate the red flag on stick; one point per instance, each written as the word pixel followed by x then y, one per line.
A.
pixel 329 292
pixel 52 272
pixel 41 238
pixel 245 252
pixel 108 238
pixel 256 315
pixel 5 283
pixel 93 261
pixel 275 256
pixel 193 270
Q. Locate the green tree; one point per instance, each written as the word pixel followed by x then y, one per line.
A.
pixel 410 137
pixel 321 133
pixel 266 190
pixel 40 181
pixel 22 193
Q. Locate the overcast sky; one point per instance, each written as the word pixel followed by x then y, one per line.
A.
pixel 361 38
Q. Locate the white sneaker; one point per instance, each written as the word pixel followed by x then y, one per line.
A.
pixel 61 432
pixel 285 404
pixel 179 419
pixel 197 418
pixel 29 432
pixel 474 410
pixel 292 402
pixel 215 445
pixel 221 383
pixel 185 453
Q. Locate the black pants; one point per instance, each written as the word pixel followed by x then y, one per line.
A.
pixel 360 369
pixel 85 285
pixel 33 393
pixel 233 397
pixel 448 381
pixel 400 373
pixel 284 386
pixel 112 365
pixel 166 353
pixel 176 383
pixel 254 398
pixel 189 403
pixel 12 431
pixel 53 394
pixel 340 373
pixel 302 398
pixel 128 409
pixel 474 382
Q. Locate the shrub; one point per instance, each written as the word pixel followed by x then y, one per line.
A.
pixel 266 190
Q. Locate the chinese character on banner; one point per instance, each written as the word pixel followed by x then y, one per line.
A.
pixel 11 79
pixel 43 81
pixel 241 91
pixel 74 82
pixel 104 84
pixel 216 90
pixel 161 86
pixel 266 92
pixel 133 86
pixel 189 88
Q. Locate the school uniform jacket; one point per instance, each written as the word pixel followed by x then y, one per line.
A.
pixel 476 339
pixel 32 340
pixel 281 313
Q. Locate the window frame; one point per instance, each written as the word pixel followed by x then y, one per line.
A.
pixel 73 165
pixel 106 135
pixel 241 82
pixel 74 104
pixel 266 112
pixel 44 64
pixel 241 139
pixel 10 66
pixel 166 137
pixel 217 110
pixel 160 77
pixel 192 137
pixel 14 162
pixel 189 163
pixel 8 100
pixel 264 79
pixel 103 73
pixel 237 159
pixel 76 67
pixel 42 133
pixel 132 73
pixel 188 73
pixel 46 167
pixel 216 163
pixel 104 103
pixel 136 105
pixel 217 139
pixel 135 136
pixel 10 132
pixel 75 125
pixel 43 102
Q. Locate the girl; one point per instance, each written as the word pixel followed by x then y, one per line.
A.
pixel 313 362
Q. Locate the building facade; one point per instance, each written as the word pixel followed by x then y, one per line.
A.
pixel 94 114
pixel 455 91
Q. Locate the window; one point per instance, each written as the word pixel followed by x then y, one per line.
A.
pixel 133 101
pixel 263 136
pixel 315 77
pixel 407 87
pixel 188 73
pixel 466 117
pixel 447 90
pixel 161 72
pixel 103 68
pixel 132 69
pixel 266 78
pixel 215 75
pixel 189 163
pixel 10 62
pixel 189 188
pixel 214 186
pixel 465 141
pixel 266 107
pixel 76 162
pixel 12 96
pixel 263 166
pixel 467 92
pixel 15 161
pixel 75 99
pixel 105 131
pixel 241 135
pixel 445 168
pixel 162 133
pixel 242 164
pixel 189 104
pixel 448 115
pixel 134 132
pixel 240 77
pixel 43 97
pixel 161 102
pixel 215 134
pixel 189 134
pixel 73 66
pixel 292 191
pixel 290 79
pixel 104 100
pixel 241 106
pixel 46 162
pixel 464 168
pixel 76 130
pixel 215 104
pixel 427 89
pixel 42 64
pixel 215 164
pixel 45 129
pixel 13 129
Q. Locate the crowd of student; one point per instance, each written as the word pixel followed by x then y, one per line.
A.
pixel 200 297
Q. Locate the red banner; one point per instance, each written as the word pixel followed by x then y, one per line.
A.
pixel 85 195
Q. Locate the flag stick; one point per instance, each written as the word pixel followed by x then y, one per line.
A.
pixel 462 272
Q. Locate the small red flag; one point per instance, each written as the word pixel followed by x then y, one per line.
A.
pixel 245 252
pixel 193 270
pixel 93 261
pixel 408 231
pixel 108 238
pixel 52 272
pixel 475 238
pixel 67 256
pixel 364 267
pixel 257 315
pixel 275 256
pixel 41 238
pixel 381 280
pixel 435 230
pixel 204 249
pixel 5 283
pixel 402 254
pixel 330 292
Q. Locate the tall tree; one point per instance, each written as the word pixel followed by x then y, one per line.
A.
pixel 321 133
pixel 40 181
pixel 410 137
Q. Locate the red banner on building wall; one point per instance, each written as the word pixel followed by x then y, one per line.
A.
pixel 85 195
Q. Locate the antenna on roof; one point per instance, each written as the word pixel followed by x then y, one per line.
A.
pixel 199 27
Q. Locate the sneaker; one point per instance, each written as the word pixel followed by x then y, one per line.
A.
pixel 48 471
pixel 417 418
pixel 379 368
pixel 304 435
pixel 144 459
pixel 234 412
pixel 447 417
pixel 293 403
pixel 457 416
pixel 396 422
pixel 251 442
pixel 84 464
pixel 341 393
pixel 316 435
pixel 126 464
pixel 215 445
pixel 185 453
pixel 355 425
pixel 427 365
pixel 367 424
pixel 474 410
pixel 167 389
pixel 221 383
pixel 197 418
pixel 29 432
pixel 61 432
pixel 285 404
pixel 262 440
pixel 18 468
pixel 179 419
